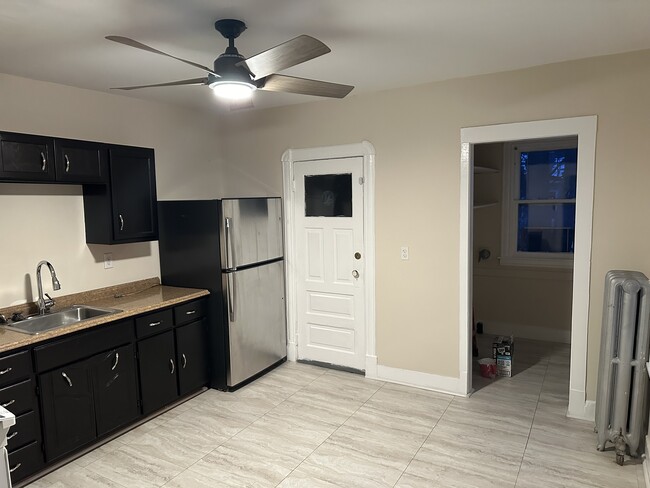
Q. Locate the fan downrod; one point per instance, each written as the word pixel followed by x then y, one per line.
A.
pixel 230 28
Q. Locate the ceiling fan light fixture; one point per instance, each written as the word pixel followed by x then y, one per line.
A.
pixel 232 90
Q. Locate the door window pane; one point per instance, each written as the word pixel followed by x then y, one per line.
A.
pixel 546 227
pixel 546 175
pixel 328 195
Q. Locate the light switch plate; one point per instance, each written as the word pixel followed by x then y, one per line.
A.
pixel 404 253
pixel 108 260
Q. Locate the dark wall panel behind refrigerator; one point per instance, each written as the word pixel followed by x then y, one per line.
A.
pixel 189 257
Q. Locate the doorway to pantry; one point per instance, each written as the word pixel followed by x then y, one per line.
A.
pixel 533 252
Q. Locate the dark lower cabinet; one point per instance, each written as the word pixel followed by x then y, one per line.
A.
pixel 25 461
pixel 158 370
pixel 68 409
pixel 192 356
pixel 115 389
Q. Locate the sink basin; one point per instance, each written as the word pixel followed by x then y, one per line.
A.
pixel 36 324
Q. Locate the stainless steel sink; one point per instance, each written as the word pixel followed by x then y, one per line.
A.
pixel 37 324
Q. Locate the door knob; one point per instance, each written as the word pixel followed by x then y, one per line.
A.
pixel 355 273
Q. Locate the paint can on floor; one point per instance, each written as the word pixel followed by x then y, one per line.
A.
pixel 488 367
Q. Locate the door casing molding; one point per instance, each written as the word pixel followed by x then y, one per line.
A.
pixel 366 151
pixel 585 128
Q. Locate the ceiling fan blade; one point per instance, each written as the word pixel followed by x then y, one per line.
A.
pixel 194 81
pixel 241 104
pixel 304 86
pixel 283 56
pixel 138 45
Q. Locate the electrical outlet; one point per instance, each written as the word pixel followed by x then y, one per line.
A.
pixel 108 260
pixel 404 253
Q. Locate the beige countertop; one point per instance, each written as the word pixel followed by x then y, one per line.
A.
pixel 132 298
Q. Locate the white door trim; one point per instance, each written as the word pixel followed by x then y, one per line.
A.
pixel 366 151
pixel 585 129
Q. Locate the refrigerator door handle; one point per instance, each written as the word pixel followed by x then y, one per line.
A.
pixel 228 243
pixel 232 303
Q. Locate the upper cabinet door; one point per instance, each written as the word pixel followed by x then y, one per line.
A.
pixel 81 162
pixel 133 188
pixel 26 157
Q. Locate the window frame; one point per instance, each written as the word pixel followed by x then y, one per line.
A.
pixel 510 256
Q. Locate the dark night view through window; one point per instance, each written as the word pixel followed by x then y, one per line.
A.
pixel 328 195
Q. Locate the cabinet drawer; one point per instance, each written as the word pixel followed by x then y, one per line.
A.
pixel 25 461
pixel 15 367
pixel 26 430
pixel 189 312
pixel 153 323
pixel 82 345
pixel 18 398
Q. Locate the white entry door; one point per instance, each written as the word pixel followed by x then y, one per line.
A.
pixel 330 262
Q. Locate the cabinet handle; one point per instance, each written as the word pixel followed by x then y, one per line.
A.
pixel 190 312
pixel 171 362
pixel 67 378
pixel 43 162
pixel 10 402
pixel 5 371
pixel 67 163
pixel 154 324
pixel 184 360
pixel 11 470
pixel 121 221
pixel 117 360
pixel 11 436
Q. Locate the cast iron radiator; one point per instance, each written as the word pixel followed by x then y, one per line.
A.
pixel 622 378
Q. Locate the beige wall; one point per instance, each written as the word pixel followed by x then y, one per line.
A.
pixel 525 302
pixel 416 134
pixel 46 221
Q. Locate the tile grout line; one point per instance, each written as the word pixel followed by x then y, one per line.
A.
pixel 424 441
pixel 539 396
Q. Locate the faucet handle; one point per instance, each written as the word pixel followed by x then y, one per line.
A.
pixel 49 302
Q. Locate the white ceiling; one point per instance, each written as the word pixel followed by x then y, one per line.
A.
pixel 376 44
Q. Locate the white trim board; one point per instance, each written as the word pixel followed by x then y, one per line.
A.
pixel 585 128
pixel 527 332
pixel 366 151
pixel 426 381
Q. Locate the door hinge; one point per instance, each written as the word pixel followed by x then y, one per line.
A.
pixel 361 180
pixel 293 185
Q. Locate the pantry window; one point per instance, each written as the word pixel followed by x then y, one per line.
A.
pixel 539 202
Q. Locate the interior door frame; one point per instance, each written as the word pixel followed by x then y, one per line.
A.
pixel 366 151
pixel 585 128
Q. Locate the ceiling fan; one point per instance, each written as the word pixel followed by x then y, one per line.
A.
pixel 235 77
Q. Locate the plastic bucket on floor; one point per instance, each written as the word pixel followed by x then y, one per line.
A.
pixel 488 367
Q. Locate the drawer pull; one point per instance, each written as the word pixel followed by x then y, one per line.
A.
pixel 5 371
pixel 190 312
pixel 121 221
pixel 154 324
pixel 10 402
pixel 11 436
pixel 171 362
pixel 43 162
pixel 67 378
pixel 184 360
pixel 11 470
pixel 117 360
pixel 67 163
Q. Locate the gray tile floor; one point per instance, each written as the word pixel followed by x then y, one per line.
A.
pixel 302 426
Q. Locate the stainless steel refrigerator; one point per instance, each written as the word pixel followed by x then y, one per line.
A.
pixel 232 247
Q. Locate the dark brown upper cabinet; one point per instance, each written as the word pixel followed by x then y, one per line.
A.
pixel 26 158
pixel 125 210
pixel 80 161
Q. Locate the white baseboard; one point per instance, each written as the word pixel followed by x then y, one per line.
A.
pixel 527 332
pixel 292 351
pixel 371 367
pixel 426 381
pixel 579 408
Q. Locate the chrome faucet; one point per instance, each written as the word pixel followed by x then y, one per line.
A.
pixel 44 304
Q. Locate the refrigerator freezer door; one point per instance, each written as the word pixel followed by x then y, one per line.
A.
pixel 254 301
pixel 251 231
